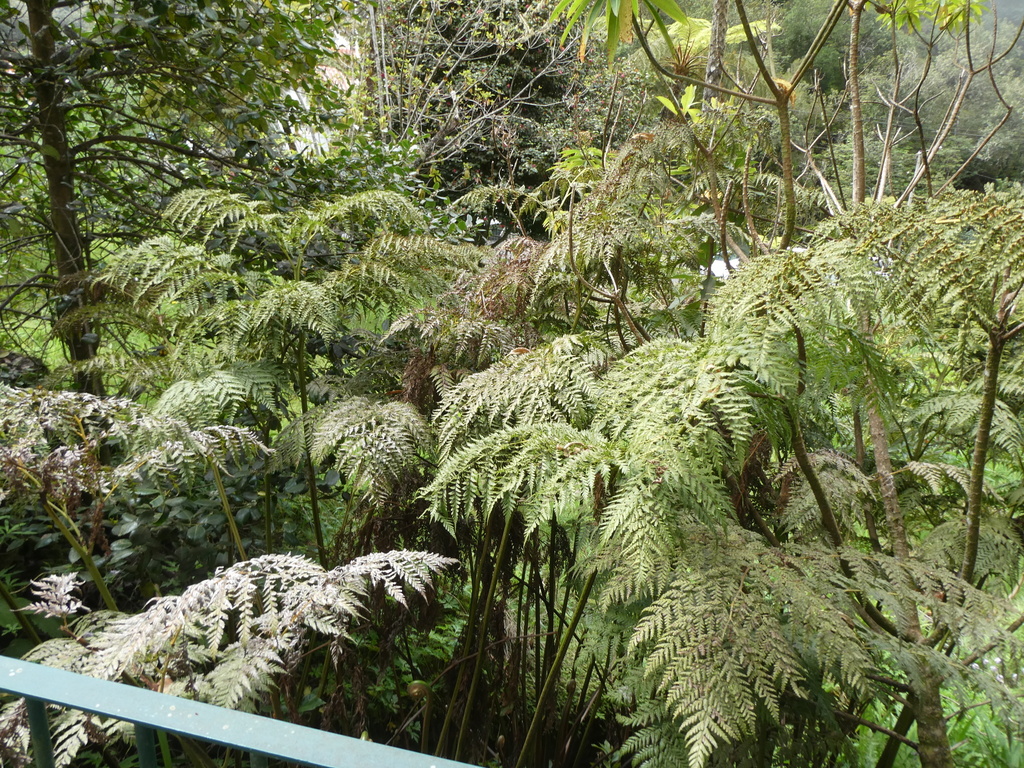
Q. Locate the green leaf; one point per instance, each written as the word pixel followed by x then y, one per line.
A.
pixel 668 104
pixel 669 7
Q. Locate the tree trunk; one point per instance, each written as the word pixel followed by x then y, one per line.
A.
pixel 716 48
pixel 788 182
pixel 58 166
pixel 856 113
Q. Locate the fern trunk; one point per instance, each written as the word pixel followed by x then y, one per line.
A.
pixel 980 455
pixel 933 739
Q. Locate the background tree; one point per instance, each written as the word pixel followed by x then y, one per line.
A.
pixel 479 88
pixel 107 107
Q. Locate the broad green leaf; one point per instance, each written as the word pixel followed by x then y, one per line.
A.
pixel 667 103
pixel 668 6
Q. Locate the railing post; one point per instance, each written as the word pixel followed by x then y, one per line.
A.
pixel 39 727
pixel 257 760
pixel 145 743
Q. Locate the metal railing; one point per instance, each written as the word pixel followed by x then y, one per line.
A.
pixel 151 712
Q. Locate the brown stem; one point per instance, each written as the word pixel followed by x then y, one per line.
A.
pixel 981 442
pixel 828 518
pixel 884 471
pixel 892 746
pixel 556 669
pixel 892 734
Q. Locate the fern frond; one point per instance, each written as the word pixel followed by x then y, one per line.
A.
pixel 456 336
pixel 172 450
pixel 243 674
pixel 539 469
pixel 395 570
pixel 219 396
pixel 242 621
pixel 199 212
pixel 375 444
pixel 554 383
pixel 369 211
pixel 717 654
pixel 168 272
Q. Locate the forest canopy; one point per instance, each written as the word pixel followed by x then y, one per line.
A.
pixel 579 383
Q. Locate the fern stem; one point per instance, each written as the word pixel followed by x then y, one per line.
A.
pixel 314 496
pixel 478 662
pixel 828 518
pixel 861 456
pixel 474 599
pixel 321 687
pixel 268 522
pixel 225 503
pixel 883 466
pixel 892 746
pixel 522 628
pixel 591 714
pixel 83 553
pixel 555 671
pixel 868 611
pixel 549 641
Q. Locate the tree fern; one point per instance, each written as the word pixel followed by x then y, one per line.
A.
pixel 223 640
pixel 726 491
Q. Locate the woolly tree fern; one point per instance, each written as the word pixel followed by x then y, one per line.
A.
pixel 227 640
pixel 726 491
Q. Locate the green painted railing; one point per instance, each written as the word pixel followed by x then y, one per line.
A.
pixel 151 712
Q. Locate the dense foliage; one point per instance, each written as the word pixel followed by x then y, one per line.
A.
pixel 688 434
